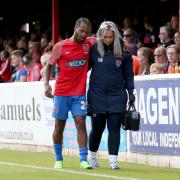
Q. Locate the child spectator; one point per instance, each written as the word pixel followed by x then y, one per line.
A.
pixel 156 68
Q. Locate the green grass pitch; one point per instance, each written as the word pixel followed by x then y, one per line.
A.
pixel 20 165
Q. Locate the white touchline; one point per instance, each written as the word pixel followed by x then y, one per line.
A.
pixel 67 171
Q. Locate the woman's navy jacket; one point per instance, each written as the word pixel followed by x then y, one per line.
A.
pixel 110 79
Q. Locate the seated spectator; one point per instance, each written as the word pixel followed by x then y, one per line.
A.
pixel 177 38
pixel 5 66
pixel 127 23
pixel 156 68
pixel 145 59
pixel 20 73
pixel 32 67
pixel 166 36
pixel 44 60
pixel 10 45
pixel 22 45
pixel 175 22
pixel 44 42
pixel 161 58
pixel 34 50
pixel 129 39
pixel 173 54
pixel 149 36
pixel 135 65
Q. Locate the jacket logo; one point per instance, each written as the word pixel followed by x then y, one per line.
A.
pixel 118 63
pixel 100 59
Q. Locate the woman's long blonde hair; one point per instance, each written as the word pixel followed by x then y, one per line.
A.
pixel 104 26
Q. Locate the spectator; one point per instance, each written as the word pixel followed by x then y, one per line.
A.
pixel 34 50
pixel 135 65
pixel 130 40
pixel 20 73
pixel 175 22
pixel 145 59
pixel 161 57
pixel 156 68
pixel 177 38
pixel 22 45
pixel 32 67
pixel 127 23
pixel 44 43
pixel 5 66
pixel 10 45
pixel 173 54
pixel 44 60
pixel 166 36
pixel 148 37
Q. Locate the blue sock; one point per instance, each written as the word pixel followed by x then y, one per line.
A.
pixel 58 152
pixel 83 153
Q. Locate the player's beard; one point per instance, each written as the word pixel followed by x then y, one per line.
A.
pixel 78 38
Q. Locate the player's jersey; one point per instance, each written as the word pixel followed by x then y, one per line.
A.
pixel 73 64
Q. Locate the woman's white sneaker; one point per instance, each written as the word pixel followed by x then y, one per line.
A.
pixel 94 163
pixel 114 166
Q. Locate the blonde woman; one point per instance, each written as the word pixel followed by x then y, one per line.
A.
pixel 161 57
pixel 110 80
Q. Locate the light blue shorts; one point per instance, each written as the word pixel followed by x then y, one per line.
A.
pixel 63 104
